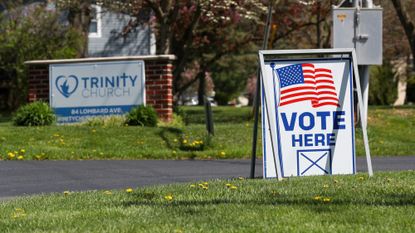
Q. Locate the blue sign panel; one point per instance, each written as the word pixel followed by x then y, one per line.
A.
pixel 82 90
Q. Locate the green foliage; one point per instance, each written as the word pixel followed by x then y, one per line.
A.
pixel 34 114
pixel 142 116
pixel 382 86
pixel 230 75
pixel 180 112
pixel 31 34
pixel 176 122
pixel 105 121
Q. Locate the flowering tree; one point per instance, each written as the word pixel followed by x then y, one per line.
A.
pixel 302 24
pixel 201 31
pixel 192 30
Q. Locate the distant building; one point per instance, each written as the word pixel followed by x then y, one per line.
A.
pixel 105 38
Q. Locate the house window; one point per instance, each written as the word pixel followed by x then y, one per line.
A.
pixel 95 25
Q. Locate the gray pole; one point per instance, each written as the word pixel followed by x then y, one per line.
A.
pixel 258 93
pixel 363 69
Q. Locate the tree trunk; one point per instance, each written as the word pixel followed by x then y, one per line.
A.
pixel 400 68
pixel 202 88
pixel 408 27
pixel 318 26
pixel 80 18
pixel 163 42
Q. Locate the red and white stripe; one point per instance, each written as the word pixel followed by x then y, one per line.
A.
pixel 318 87
pixel 326 91
pixel 302 91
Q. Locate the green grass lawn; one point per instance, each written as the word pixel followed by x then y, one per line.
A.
pixel 391 132
pixel 383 203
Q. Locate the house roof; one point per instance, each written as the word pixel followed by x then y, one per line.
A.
pixel 94 59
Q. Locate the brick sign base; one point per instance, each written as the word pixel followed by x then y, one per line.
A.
pixel 158 71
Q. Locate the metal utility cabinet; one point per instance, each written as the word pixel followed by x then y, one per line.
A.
pixel 359 28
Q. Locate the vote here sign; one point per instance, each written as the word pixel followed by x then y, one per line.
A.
pixel 307 117
pixel 82 90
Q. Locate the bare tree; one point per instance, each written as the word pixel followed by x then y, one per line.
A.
pixel 407 24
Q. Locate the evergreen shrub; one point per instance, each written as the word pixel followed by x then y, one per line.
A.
pixel 142 116
pixel 34 114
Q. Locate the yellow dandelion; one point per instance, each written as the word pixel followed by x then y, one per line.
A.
pixel 200 185
pixel 38 157
pixel 361 178
pixel 20 157
pixel 18 213
pixel 222 153
pixel 93 130
pixel 101 153
pixel 11 155
pixel 336 181
pixel 66 193
pixel 174 152
pixel 175 140
pixel 205 187
pixel 129 190
pixel 184 141
pixel 22 151
pixel 107 192
pixel 228 185
pixel 326 199
pixel 241 178
pixel 325 186
pixel 233 187
pixel 317 198
pixel 192 186
pixel 168 197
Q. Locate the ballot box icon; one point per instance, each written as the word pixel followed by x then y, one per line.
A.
pixel 314 162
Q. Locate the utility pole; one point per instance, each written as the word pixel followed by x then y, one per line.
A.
pixel 358 24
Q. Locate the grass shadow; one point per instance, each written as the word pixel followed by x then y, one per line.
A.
pixel 166 130
pixel 309 203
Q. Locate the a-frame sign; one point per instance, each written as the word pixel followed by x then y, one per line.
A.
pixel 308 112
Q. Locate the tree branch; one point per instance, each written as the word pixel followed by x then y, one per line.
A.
pixel 156 8
pixel 408 27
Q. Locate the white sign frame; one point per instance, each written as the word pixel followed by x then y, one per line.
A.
pixel 272 55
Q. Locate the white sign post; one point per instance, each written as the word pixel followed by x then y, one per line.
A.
pixel 307 112
pixel 83 90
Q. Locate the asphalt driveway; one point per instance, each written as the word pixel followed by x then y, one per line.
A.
pixel 19 178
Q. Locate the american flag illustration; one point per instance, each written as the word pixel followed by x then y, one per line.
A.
pixel 304 82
